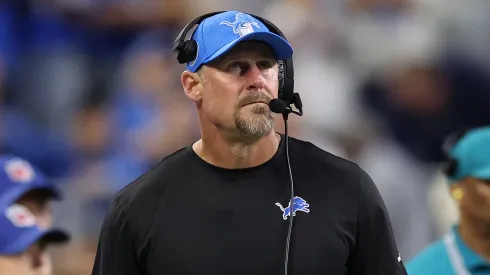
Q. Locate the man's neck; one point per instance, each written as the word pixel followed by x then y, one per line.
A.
pixel 476 235
pixel 235 154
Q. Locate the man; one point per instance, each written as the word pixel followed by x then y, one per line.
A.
pixel 220 206
pixel 466 248
pixel 23 184
pixel 22 241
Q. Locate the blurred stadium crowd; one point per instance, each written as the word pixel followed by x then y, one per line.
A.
pixel 90 93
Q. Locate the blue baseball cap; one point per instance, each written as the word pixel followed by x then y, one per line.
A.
pixel 18 176
pixel 19 231
pixel 472 153
pixel 219 33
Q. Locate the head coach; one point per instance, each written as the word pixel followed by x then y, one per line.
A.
pixel 226 204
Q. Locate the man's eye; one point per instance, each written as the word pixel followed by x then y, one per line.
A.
pixel 264 65
pixel 235 66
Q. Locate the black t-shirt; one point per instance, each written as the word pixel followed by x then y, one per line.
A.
pixel 185 216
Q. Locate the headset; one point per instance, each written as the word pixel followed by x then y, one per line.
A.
pixel 450 165
pixel 187 52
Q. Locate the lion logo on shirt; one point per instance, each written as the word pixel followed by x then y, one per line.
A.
pixel 299 204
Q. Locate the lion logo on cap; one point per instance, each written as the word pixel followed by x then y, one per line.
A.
pixel 242 25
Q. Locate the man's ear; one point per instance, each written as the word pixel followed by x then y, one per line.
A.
pixel 192 84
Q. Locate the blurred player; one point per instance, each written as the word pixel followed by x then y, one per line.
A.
pixel 466 248
pixel 22 242
pixel 24 184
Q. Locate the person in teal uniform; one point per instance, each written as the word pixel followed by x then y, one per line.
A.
pixel 465 250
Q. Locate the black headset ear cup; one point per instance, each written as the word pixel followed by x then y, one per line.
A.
pixel 449 167
pixel 286 80
pixel 280 66
pixel 288 92
pixel 187 52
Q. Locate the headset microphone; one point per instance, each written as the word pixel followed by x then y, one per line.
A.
pixel 280 106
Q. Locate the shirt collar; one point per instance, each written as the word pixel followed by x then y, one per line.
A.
pixel 471 259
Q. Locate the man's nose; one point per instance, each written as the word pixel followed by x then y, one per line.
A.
pixel 255 78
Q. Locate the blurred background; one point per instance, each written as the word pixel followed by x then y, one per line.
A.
pixel 91 94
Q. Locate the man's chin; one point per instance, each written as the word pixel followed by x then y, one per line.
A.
pixel 257 126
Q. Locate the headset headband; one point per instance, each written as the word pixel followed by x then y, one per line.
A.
pixel 180 40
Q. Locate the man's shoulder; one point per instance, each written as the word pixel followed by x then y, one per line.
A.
pixel 319 157
pixel 154 181
pixel 432 259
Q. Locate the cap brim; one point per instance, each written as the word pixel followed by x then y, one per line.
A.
pixel 483 173
pixel 55 236
pixel 15 193
pixel 280 47
pixel 51 236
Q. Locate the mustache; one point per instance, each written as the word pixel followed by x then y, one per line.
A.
pixel 255 97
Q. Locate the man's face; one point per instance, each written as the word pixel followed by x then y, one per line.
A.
pixel 237 87
pixel 28 263
pixel 39 203
pixel 476 199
